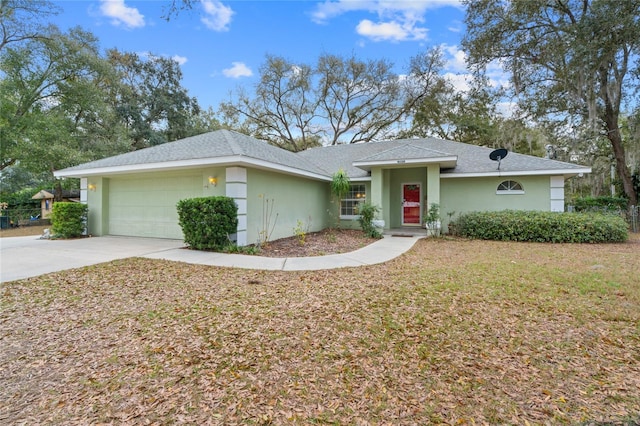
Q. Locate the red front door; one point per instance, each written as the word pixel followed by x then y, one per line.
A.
pixel 411 204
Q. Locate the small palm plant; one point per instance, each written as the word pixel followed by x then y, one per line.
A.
pixel 340 186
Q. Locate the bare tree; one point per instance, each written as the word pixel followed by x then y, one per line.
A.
pixel 340 100
pixel 284 106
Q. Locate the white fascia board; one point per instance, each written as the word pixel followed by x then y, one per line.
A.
pixel 261 164
pixel 449 161
pixel 500 173
pixel 190 164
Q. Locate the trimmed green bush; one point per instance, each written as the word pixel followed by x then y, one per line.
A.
pixel 367 213
pixel 612 204
pixel 68 220
pixel 537 226
pixel 207 222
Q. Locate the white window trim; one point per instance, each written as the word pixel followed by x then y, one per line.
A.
pixel 364 199
pixel 509 191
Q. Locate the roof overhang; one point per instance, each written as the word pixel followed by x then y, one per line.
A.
pixel 445 162
pixel 42 194
pixel 567 173
pixel 236 160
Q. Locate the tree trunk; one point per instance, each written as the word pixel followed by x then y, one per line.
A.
pixel 58 191
pixel 611 117
pixel 613 134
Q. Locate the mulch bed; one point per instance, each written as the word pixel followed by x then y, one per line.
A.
pixel 328 241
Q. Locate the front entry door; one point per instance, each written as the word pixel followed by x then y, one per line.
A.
pixel 411 204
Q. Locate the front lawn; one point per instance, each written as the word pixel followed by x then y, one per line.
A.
pixel 455 331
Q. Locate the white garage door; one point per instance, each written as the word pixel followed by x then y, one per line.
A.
pixel 147 207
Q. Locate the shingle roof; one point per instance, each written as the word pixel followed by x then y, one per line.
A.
pixel 218 144
pixel 324 161
pixel 471 159
pixel 405 151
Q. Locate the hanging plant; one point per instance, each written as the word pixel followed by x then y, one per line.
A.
pixel 340 186
pixel 340 183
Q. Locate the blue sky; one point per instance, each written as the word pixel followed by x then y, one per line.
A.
pixel 221 44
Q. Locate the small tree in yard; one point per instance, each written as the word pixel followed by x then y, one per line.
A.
pixel 68 220
pixel 340 186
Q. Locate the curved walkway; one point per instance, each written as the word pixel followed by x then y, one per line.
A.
pixel 24 257
pixel 381 251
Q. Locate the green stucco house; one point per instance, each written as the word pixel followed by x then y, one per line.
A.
pixel 135 194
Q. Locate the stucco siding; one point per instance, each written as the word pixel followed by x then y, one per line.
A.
pixel 290 199
pixel 462 195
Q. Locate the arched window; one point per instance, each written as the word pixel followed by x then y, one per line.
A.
pixel 510 187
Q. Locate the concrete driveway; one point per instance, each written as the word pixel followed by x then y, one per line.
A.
pixel 24 257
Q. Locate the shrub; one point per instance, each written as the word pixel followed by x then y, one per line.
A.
pixel 300 231
pixel 540 226
pixel 68 220
pixel 610 204
pixel 432 219
pixel 207 222
pixel 367 213
pixel 20 205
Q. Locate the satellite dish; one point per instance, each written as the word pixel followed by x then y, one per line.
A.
pixel 498 155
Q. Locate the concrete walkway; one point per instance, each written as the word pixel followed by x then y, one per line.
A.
pixel 24 257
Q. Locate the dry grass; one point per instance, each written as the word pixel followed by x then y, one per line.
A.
pixel 23 231
pixel 454 332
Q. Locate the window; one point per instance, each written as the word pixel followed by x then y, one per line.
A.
pixel 350 202
pixel 510 187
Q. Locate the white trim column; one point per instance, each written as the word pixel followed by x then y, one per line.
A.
pixel 84 185
pixel 236 188
pixel 556 191
pixel 377 194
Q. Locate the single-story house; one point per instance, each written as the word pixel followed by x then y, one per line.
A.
pixel 135 194
pixel 47 199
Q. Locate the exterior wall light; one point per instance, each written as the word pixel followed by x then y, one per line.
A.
pixel 92 187
pixel 213 180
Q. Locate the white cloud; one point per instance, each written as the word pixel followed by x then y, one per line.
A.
pixel 459 81
pixel 456 58
pixel 455 27
pixel 397 20
pixel 332 8
pixel 181 60
pixel 122 14
pixel 393 31
pixel 217 15
pixel 238 69
pixel 507 109
pixel 498 77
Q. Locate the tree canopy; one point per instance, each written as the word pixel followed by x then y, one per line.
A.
pixel 65 102
pixel 337 100
pixel 21 20
pixel 568 59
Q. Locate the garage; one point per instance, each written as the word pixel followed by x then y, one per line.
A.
pixel 146 207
